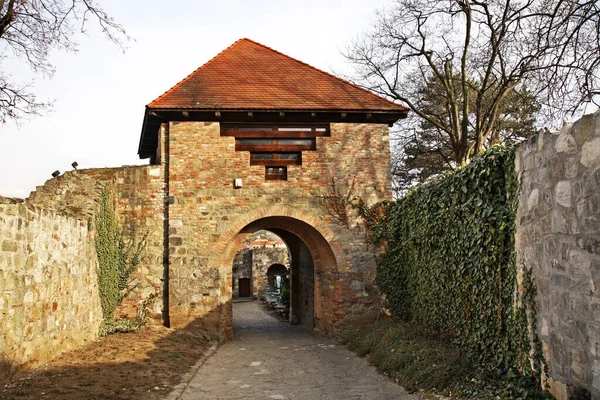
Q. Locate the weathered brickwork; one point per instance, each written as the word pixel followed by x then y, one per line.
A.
pixel 209 219
pixel 48 285
pixel 558 236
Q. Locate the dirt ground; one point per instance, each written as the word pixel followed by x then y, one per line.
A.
pixel 146 364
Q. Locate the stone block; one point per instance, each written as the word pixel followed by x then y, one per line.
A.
pixel 571 167
pixel 558 222
pixel 578 364
pixel 565 143
pixel 556 168
pixel 590 153
pixel 533 199
pixel 562 193
pixel 594 204
pixel 10 246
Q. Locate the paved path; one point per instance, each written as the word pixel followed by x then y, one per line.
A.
pixel 269 359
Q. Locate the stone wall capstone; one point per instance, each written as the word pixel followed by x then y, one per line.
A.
pixel 558 237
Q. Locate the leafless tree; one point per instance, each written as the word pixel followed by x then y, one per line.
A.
pixel 479 54
pixel 29 29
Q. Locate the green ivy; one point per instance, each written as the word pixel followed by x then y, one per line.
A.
pixel 450 262
pixel 117 258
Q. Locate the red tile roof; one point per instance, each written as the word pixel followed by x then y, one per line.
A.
pixel 250 76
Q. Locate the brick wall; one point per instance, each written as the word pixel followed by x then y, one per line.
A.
pixel 558 236
pixel 208 218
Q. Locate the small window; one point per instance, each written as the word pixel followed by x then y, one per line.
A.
pixel 276 173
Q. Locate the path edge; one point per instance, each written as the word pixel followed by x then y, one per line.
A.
pixel 178 391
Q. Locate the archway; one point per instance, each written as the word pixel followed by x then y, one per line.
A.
pixel 313 268
pixel 274 274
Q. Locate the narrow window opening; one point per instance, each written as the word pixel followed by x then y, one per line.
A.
pixel 276 173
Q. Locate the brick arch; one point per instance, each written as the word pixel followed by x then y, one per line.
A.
pixel 241 224
pixel 285 222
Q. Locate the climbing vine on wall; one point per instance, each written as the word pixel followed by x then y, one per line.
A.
pixel 450 263
pixel 117 258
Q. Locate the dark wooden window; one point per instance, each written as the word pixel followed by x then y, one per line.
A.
pixel 276 173
pixel 275 159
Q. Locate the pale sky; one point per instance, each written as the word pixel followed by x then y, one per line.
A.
pixel 100 92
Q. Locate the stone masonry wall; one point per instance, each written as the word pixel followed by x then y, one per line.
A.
pixel 207 215
pixel 48 286
pixel 242 268
pixel 558 236
pixel 140 205
pixel 262 259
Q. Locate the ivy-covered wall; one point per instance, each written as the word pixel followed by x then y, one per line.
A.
pixel 450 263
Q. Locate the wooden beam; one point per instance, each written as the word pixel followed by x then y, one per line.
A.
pixel 275 163
pixel 343 115
pixel 313 115
pixel 186 114
pixel 250 114
pixel 274 134
pixel 281 114
pixel 273 148
pixel 369 115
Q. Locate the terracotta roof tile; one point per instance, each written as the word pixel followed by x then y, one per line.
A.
pixel 250 76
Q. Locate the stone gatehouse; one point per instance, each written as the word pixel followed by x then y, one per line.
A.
pixel 254 140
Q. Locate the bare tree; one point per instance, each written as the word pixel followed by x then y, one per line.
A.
pixel 480 53
pixel 29 29
pixel 420 150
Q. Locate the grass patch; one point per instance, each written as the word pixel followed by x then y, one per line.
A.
pixel 421 360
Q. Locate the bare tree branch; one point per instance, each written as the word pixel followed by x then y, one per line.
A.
pixel 477 57
pixel 29 30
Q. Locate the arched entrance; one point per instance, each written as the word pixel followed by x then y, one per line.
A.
pixel 313 268
pixel 274 274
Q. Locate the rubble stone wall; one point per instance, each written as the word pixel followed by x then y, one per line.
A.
pixel 558 236
pixel 48 285
pixel 139 198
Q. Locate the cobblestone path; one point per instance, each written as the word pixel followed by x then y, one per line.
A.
pixel 269 359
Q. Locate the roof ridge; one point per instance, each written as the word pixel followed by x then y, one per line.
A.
pixel 318 70
pixel 330 75
pixel 194 71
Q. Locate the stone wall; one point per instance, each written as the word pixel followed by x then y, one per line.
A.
pixel 558 236
pixel 242 269
pixel 48 285
pixel 140 205
pixel 209 218
pixel 262 259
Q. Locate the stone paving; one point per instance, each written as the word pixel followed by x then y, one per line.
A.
pixel 269 359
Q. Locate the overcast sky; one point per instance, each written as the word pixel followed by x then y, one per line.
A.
pixel 99 92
